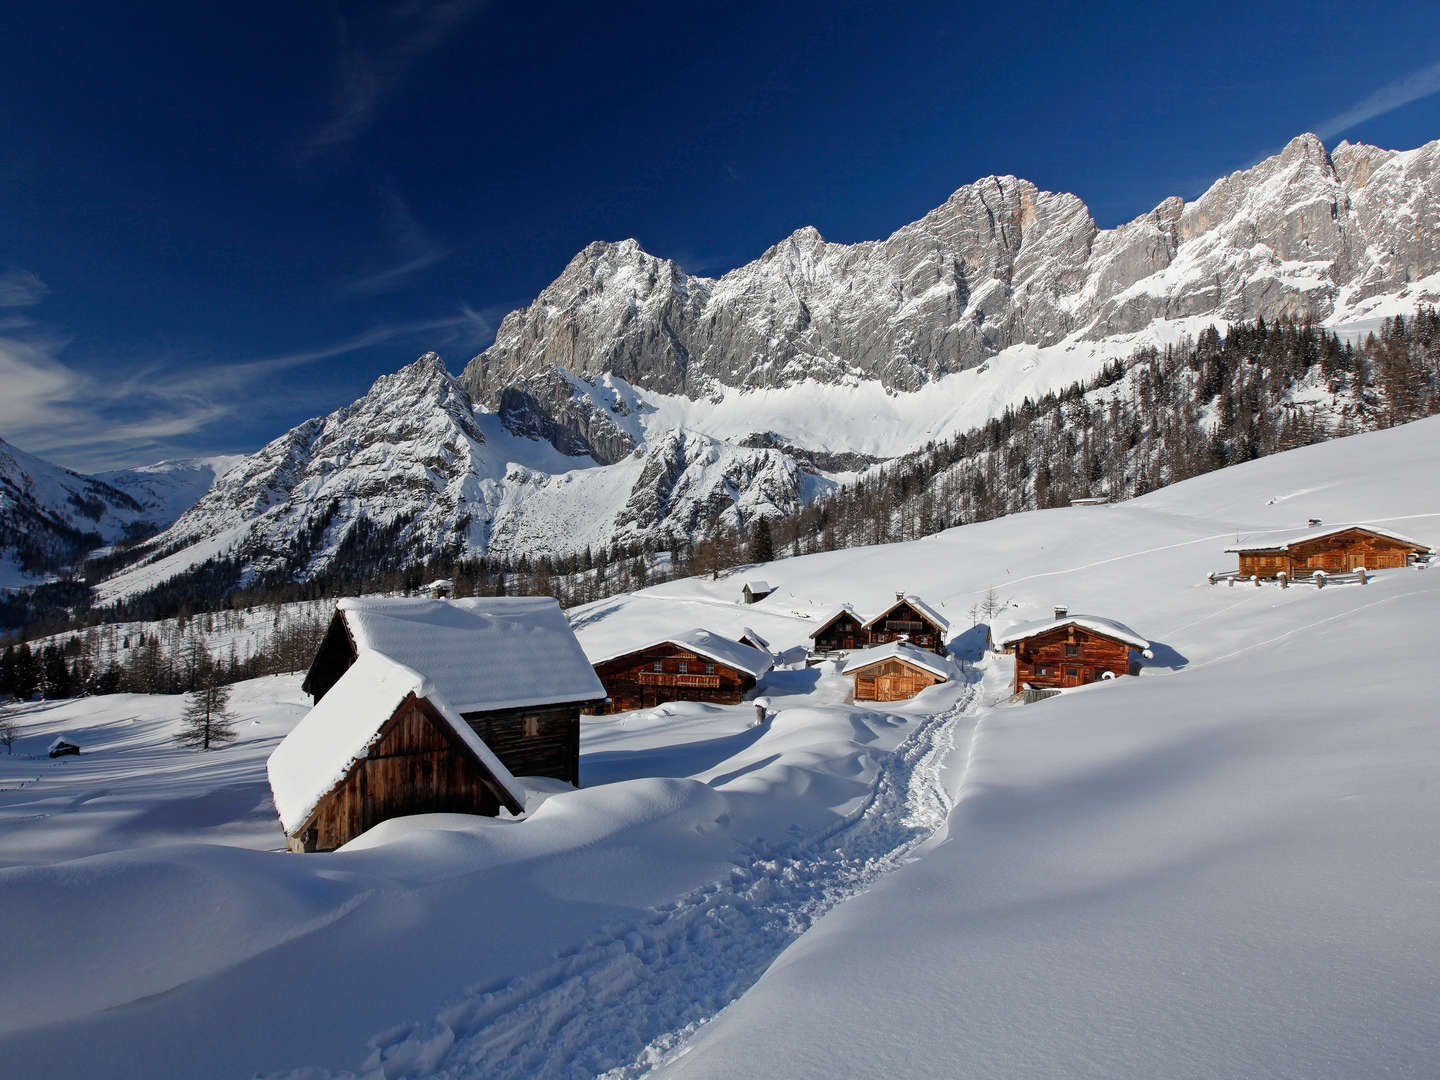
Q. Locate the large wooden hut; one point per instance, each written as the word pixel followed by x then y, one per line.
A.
pixel 841 632
pixel 696 665
pixel 1337 549
pixel 1069 650
pixel 509 666
pixel 382 744
pixel 910 619
pixel 894 671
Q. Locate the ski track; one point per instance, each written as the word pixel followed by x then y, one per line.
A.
pixel 626 1002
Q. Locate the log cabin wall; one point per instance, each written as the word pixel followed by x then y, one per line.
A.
pixel 1347 551
pixel 904 619
pixel 846 632
pixel 892 680
pixel 644 679
pixel 1265 564
pixel 1068 656
pixel 535 741
pixel 416 767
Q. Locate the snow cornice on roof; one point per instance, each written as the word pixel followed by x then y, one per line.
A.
pixel 899 650
pixel 1317 534
pixel 1096 624
pixel 706 643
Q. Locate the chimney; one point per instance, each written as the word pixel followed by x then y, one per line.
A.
pixel 1314 522
pixel 1061 612
pixel 899 596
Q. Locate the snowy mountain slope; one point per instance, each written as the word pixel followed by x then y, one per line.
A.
pixel 1001 264
pixel 1215 868
pixel 168 488
pixel 412 470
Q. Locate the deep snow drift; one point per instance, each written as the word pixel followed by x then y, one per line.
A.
pixel 1222 867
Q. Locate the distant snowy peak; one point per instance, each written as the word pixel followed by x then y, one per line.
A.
pixel 1001 263
pixel 168 488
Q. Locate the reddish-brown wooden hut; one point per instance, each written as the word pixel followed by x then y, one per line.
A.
pixel 382 744
pixel 911 619
pixel 1337 549
pixel 509 666
pixel 841 632
pixel 1069 650
pixel 894 671
pixel 694 666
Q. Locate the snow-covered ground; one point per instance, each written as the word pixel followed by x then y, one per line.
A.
pixel 1223 867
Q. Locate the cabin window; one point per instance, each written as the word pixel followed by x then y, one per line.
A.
pixel 1071 672
pixel 684 667
pixel 1042 671
pixel 656 666
pixel 709 669
pixel 532 726
pixel 1072 650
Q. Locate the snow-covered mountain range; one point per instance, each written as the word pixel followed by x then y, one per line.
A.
pixel 633 401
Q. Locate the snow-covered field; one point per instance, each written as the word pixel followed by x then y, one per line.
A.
pixel 1224 867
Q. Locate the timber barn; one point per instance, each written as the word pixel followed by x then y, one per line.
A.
pixel 509 666
pixel 694 666
pixel 894 671
pixel 1338 549
pixel 910 619
pixel 841 632
pixel 382 744
pixel 756 590
pixel 1070 650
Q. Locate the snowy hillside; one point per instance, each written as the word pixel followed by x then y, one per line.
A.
pixel 1216 868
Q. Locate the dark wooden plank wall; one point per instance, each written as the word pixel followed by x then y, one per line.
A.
pixel 632 682
pixel 332 659
pixel 892 680
pixel 1043 660
pixel 846 632
pixel 1337 553
pixel 417 766
pixel 533 741
pixel 905 619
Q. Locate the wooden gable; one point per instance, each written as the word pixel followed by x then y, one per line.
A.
pixel 843 630
pixel 669 672
pixel 1068 655
pixel 336 653
pixel 904 618
pixel 417 765
pixel 892 679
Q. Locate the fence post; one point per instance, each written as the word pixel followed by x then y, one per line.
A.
pixel 1230 582
pixel 1256 579
pixel 1284 580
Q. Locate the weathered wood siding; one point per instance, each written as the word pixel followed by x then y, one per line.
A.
pixel 1068 656
pixel 644 679
pixel 533 742
pixel 417 766
pixel 904 619
pixel 332 659
pixel 892 680
pixel 1337 553
pixel 846 632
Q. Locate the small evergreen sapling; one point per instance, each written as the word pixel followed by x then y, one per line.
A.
pixel 207 719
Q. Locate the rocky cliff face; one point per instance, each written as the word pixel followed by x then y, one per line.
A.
pixel 1000 263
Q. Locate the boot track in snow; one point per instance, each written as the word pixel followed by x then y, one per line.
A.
pixel 624 1004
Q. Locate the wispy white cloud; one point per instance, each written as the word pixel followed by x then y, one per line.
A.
pixel 21 288
pixel 1393 95
pixel 415 249
pixel 375 57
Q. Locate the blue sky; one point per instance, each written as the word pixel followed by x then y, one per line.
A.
pixel 218 220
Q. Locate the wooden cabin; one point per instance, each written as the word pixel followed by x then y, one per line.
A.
pixel 1338 549
pixel 694 666
pixel 509 665
pixel 1070 650
pixel 909 619
pixel 756 590
pixel 841 632
pixel 382 745
pixel 894 671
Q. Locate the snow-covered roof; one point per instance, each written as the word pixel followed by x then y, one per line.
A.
pixel 746 631
pixel 479 653
pixel 1315 534
pixel 899 650
pixel 322 749
pixel 61 740
pixel 919 605
pixel 732 654
pixel 756 585
pixel 1108 627
pixel 845 609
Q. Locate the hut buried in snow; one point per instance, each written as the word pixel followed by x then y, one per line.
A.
pixel 1069 650
pixel 696 665
pixel 756 590
pixel 425 706
pixel 894 671
pixel 1338 549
